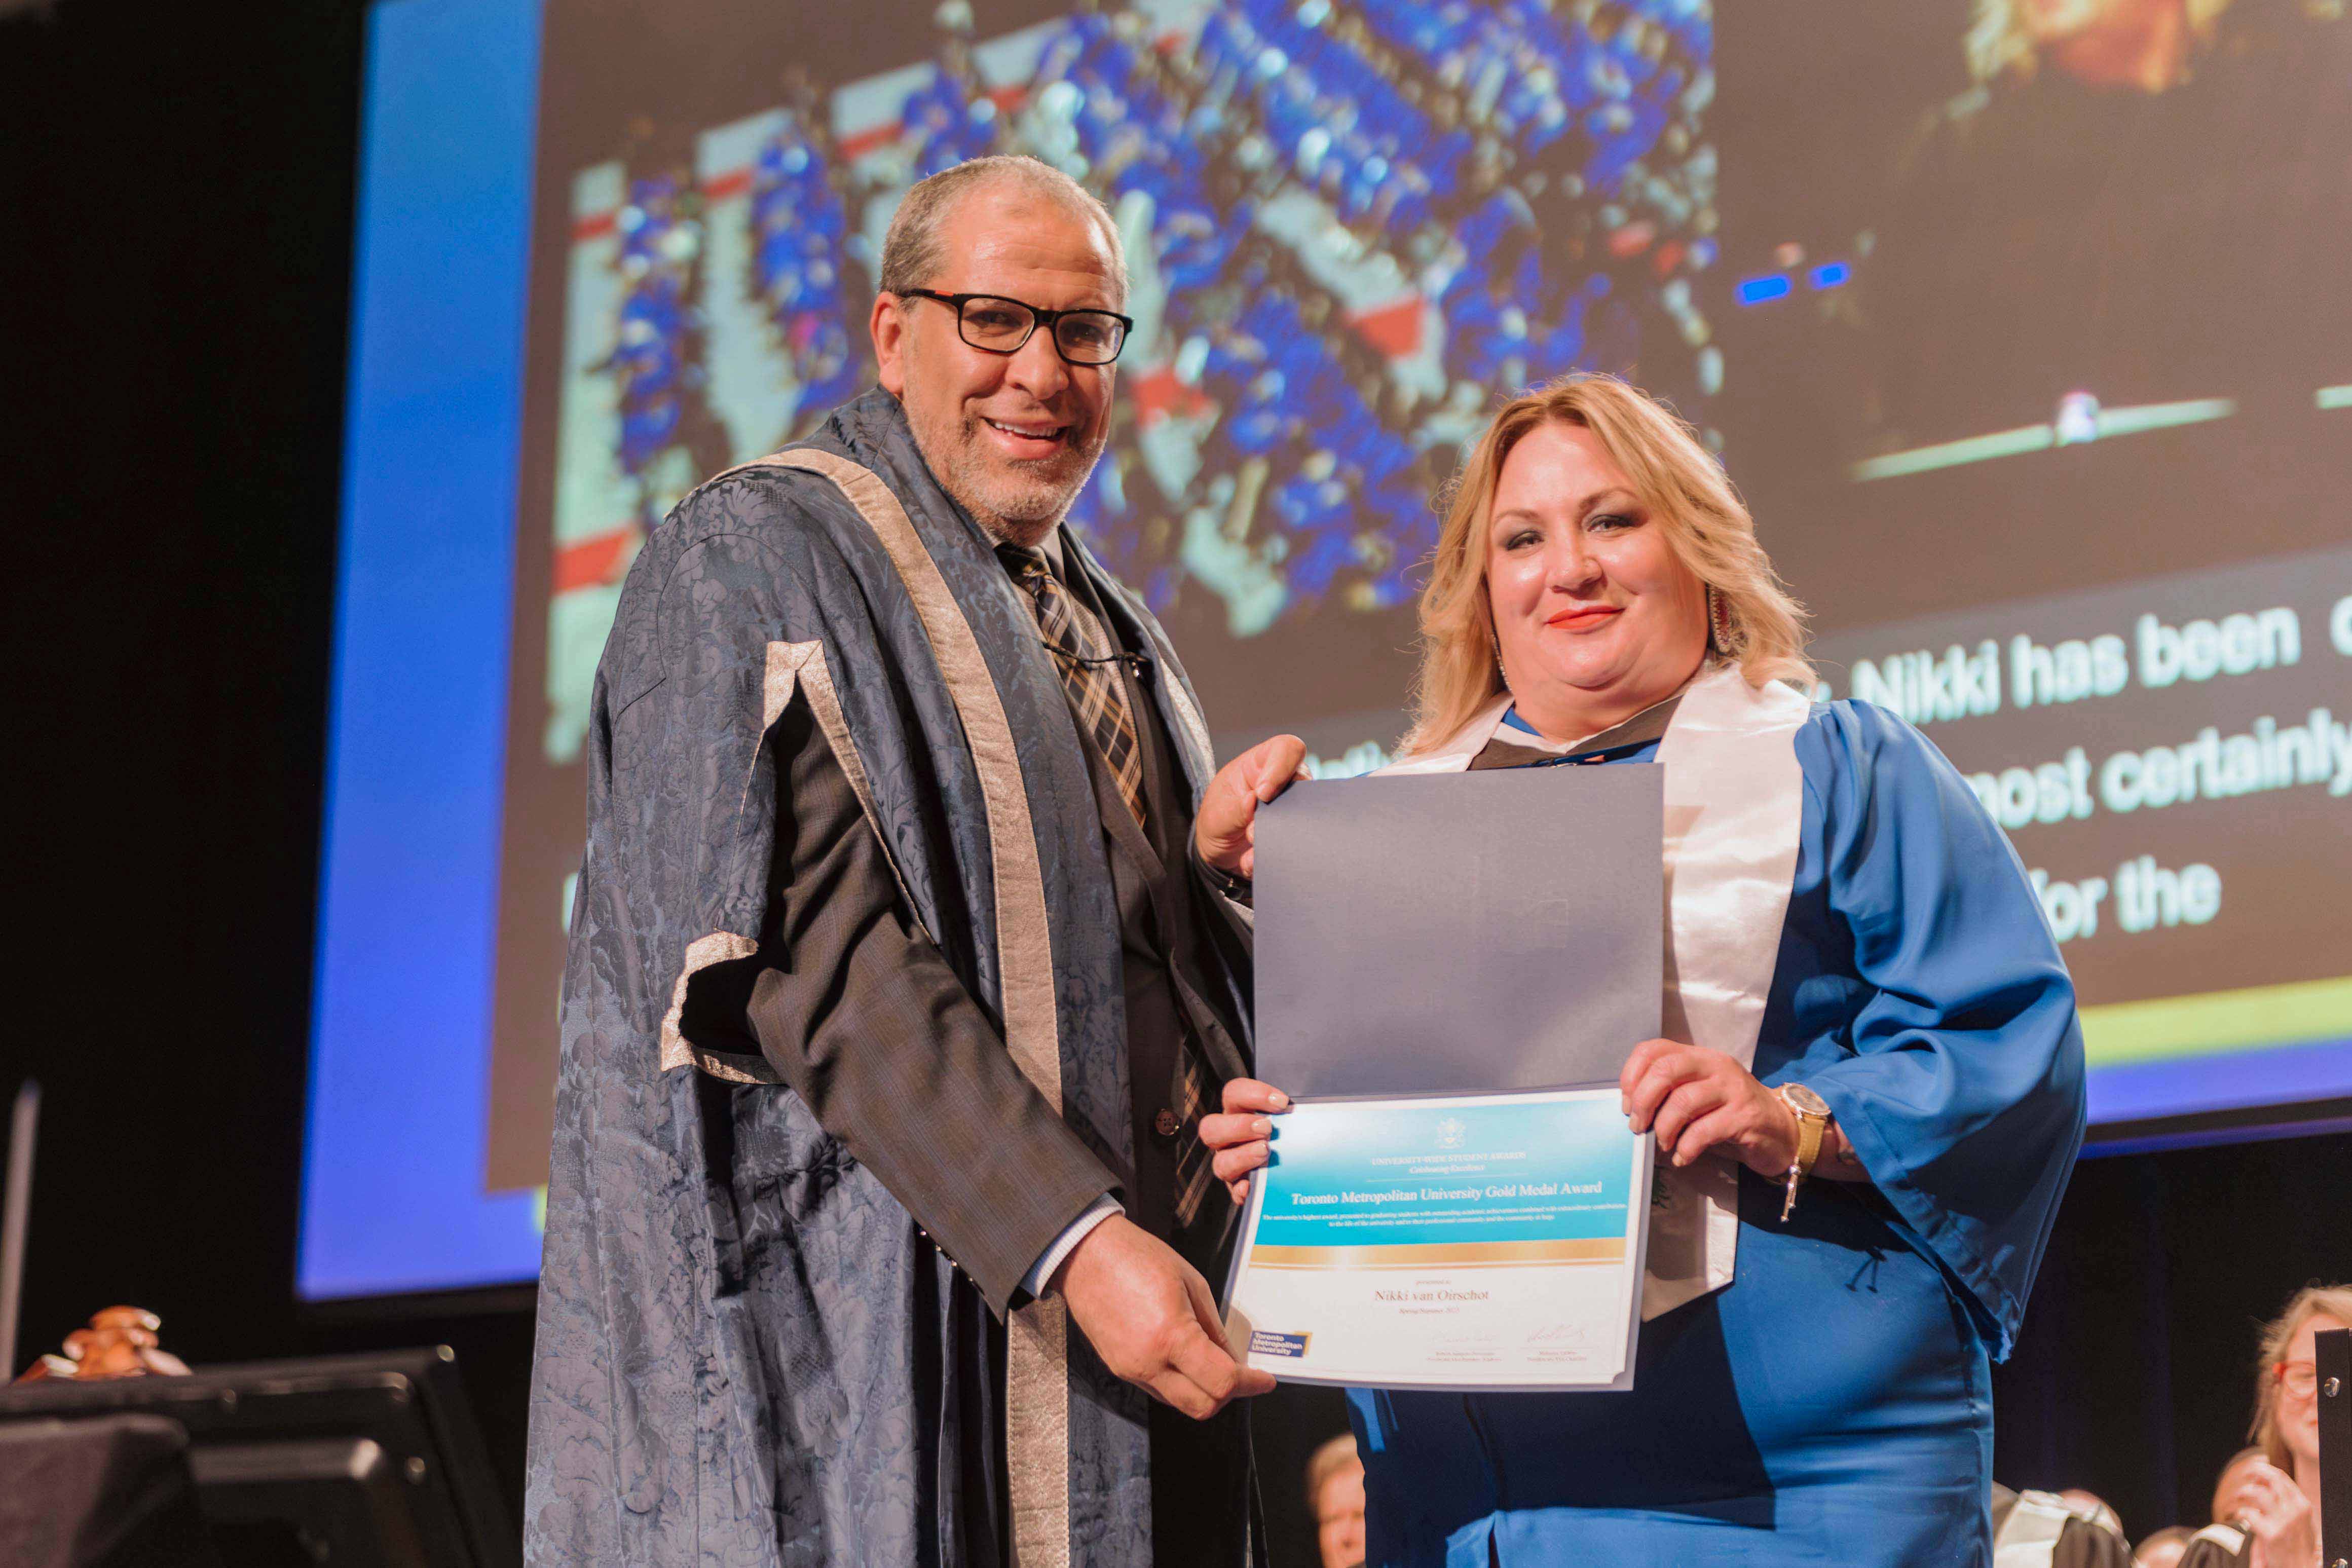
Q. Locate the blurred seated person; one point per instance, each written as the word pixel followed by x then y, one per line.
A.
pixel 2163 1548
pixel 2219 1546
pixel 2222 1542
pixel 2090 1505
pixel 1335 1496
pixel 2232 1476
pixel 2052 1527
pixel 2268 1498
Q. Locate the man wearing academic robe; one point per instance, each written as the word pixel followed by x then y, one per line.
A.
pixel 895 994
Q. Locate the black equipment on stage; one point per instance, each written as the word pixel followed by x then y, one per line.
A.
pixel 369 1460
pixel 97 1493
pixel 2332 1366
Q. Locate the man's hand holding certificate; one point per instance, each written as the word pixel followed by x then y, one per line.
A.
pixel 1449 987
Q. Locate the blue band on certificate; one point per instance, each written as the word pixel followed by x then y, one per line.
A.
pixel 1468 1241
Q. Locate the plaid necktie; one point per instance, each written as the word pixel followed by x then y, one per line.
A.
pixel 1098 699
pixel 1089 673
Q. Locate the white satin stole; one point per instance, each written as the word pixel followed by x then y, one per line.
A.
pixel 1734 805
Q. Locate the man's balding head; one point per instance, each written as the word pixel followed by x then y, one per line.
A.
pixel 913 251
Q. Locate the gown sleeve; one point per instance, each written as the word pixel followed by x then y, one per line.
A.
pixel 1963 1094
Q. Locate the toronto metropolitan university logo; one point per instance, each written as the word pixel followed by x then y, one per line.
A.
pixel 1451 1132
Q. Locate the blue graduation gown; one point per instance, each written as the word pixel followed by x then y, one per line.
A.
pixel 1832 1405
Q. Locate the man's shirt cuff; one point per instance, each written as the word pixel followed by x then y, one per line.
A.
pixel 1076 1231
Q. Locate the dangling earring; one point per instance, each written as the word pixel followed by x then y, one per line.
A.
pixel 1495 642
pixel 1718 624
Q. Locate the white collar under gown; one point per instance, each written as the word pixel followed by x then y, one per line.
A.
pixel 1833 1405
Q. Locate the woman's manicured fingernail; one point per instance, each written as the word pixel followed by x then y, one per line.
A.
pixel 1262 1127
pixel 1281 1100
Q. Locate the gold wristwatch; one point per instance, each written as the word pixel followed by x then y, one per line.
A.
pixel 1812 1114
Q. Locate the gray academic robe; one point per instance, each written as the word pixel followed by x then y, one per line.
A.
pixel 749 1350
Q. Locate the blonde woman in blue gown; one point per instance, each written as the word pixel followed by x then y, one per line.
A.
pixel 1858 969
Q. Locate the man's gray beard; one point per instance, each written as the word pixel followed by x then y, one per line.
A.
pixel 1016 513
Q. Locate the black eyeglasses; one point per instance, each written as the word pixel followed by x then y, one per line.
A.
pixel 997 325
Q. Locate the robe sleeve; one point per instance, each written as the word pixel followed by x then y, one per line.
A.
pixel 1963 1096
pixel 863 1018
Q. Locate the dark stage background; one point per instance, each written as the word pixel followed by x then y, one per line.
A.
pixel 175 212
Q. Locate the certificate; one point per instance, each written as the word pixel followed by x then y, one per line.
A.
pixel 1449 1242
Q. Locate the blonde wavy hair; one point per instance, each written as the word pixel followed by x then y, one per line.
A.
pixel 1687 496
pixel 2311 1301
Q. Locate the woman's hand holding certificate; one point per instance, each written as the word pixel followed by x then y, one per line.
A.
pixel 1239 1133
pixel 1702 1103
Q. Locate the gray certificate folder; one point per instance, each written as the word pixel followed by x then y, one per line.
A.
pixel 1459 933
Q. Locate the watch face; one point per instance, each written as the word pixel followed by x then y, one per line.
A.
pixel 1804 1100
